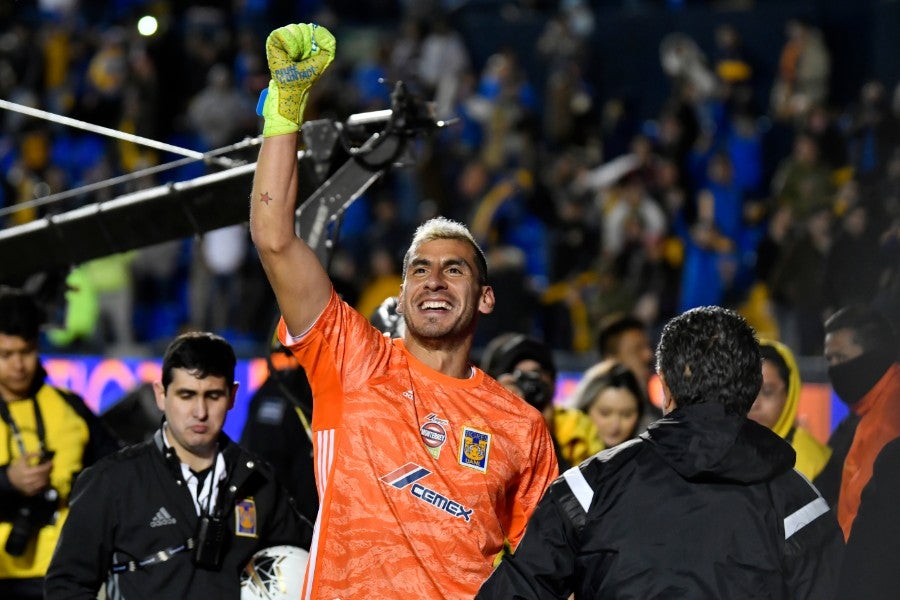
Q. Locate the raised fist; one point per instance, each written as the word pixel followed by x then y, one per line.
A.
pixel 297 55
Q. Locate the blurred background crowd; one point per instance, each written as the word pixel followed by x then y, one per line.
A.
pixel 612 157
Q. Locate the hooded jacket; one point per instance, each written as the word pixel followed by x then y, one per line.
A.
pixel 704 504
pixel 812 455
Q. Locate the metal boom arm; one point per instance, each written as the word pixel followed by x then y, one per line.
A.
pixel 188 208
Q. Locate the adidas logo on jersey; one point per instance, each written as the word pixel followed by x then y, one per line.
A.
pixel 162 517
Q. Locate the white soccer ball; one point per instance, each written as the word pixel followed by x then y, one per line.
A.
pixel 274 573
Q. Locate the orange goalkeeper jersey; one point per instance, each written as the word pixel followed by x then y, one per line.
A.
pixel 420 476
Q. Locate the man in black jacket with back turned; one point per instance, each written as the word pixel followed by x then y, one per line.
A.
pixel 705 504
pixel 180 515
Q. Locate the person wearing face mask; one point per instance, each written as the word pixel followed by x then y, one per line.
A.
pixel 776 407
pixel 861 352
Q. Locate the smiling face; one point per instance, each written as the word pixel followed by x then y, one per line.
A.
pixel 441 296
pixel 195 411
pixel 615 415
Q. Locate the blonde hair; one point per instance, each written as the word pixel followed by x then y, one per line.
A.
pixel 442 228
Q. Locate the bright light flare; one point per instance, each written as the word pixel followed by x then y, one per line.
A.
pixel 147 26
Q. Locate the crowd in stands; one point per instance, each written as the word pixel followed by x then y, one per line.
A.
pixel 601 227
pixel 584 208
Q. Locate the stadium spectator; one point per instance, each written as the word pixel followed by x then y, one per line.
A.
pixel 525 366
pixel 797 282
pixel 609 393
pixel 90 64
pixel 625 339
pixel 804 72
pixel 776 407
pixel 861 352
pixel 855 264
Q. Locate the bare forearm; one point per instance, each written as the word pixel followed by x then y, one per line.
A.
pixel 273 198
pixel 301 286
pixel 297 54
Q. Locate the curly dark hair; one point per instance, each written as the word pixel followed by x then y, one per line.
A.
pixel 710 354
pixel 200 353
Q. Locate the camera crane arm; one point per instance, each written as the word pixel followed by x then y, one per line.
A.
pixel 191 208
pixel 317 219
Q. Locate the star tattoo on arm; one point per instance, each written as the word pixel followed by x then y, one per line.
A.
pixel 265 198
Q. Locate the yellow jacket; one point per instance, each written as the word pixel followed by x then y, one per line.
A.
pixel 811 453
pixel 67 434
pixel 576 435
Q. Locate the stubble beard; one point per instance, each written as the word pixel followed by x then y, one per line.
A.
pixel 431 329
pixel 439 336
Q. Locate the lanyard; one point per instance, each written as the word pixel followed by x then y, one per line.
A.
pixel 17 433
pixel 210 484
pixel 206 490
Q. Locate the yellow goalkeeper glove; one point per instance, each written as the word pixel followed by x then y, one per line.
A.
pixel 297 55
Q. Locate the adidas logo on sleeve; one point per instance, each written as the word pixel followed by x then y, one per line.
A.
pixel 161 518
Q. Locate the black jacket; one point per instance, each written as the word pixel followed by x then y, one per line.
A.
pixel 275 431
pixel 828 481
pixel 703 505
pixel 135 503
pixel 870 568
